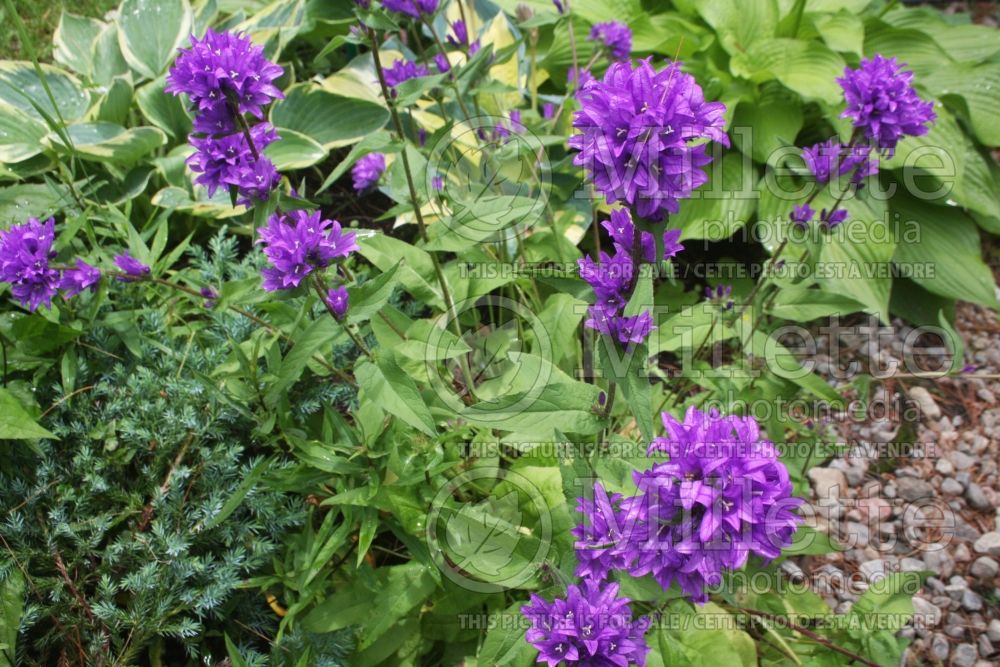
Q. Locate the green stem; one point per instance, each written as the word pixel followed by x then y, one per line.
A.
pixel 421 224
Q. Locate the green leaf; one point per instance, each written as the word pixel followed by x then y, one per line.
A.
pixel 760 128
pixel 218 206
pixel 294 151
pixel 35 200
pixel 319 334
pixel 21 88
pixel 164 110
pixel 150 31
pixel 40 336
pixel 376 602
pixel 979 86
pixel 782 363
pixel 504 643
pixel 108 60
pixel 234 501
pixel 740 23
pixel 109 142
pixel 328 118
pixel 11 607
pixel 802 304
pixel 807 541
pixel 234 653
pixel 560 317
pixel 628 370
pixel 962 42
pixel 567 406
pixel 668 33
pixel 394 390
pixel 945 256
pixel 920 53
pixel 16 423
pixel 117 101
pixel 842 31
pixel 367 299
pixel 888 603
pixel 274 25
pixel 723 205
pixel 808 68
pixel 20 135
pixel 488 541
pixel 427 341
pixel 714 639
pixel 416 271
pixel 73 42
pixel 366 533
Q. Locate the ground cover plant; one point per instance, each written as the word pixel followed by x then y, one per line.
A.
pixel 449 332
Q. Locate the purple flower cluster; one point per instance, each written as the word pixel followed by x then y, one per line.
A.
pixel 459 36
pixel 885 108
pixel 831 157
pixel 297 243
pixel 613 278
pixel 75 281
pixel 131 268
pixel 591 626
pixel 226 76
pixel 403 70
pixel 636 128
pixel 25 252
pixel 227 161
pixel 722 496
pixel 615 36
pixel 367 171
pixel 802 215
pixel 337 300
pixel 25 256
pixel 414 8
pixel 882 102
pixel 721 295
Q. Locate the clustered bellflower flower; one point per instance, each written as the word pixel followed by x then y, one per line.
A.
pixel 131 268
pixel 722 496
pixel 459 36
pixel 367 171
pixel 884 108
pixel 25 253
pixel 403 70
pixel 413 8
pixel 297 243
pixel 590 626
pixel 226 78
pixel 636 128
pixel 615 36
pixel 721 295
pixel 75 281
pixel 831 157
pixel 337 299
pixel 25 263
pixel 227 161
pixel 883 104
pixel 613 278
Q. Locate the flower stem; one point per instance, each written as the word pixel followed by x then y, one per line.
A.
pixel 421 223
